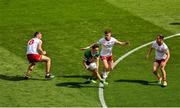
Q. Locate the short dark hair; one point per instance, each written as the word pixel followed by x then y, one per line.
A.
pixel 107 31
pixel 160 36
pixel 36 33
pixel 95 46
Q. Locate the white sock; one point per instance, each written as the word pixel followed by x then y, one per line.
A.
pixel 104 74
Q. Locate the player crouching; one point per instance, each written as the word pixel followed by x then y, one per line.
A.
pixel 35 54
pixel 91 62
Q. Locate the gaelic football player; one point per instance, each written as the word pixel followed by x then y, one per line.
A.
pixel 91 62
pixel 162 56
pixel 107 43
pixel 35 54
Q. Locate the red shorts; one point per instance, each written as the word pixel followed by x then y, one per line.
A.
pixel 159 61
pixel 108 58
pixel 34 57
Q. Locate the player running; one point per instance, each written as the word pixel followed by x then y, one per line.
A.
pixel 91 62
pixel 107 43
pixel 35 54
pixel 161 58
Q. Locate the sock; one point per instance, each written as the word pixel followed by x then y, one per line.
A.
pixel 104 75
pixel 158 77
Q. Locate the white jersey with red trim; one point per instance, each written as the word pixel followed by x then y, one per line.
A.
pixel 107 46
pixel 160 50
pixel 32 46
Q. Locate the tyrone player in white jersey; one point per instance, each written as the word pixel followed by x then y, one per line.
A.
pixel 107 43
pixel 35 54
pixel 162 56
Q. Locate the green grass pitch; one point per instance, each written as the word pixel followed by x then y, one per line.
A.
pixel 67 26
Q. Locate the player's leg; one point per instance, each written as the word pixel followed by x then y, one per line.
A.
pixel 106 65
pixel 110 63
pixel 110 66
pixel 97 75
pixel 155 68
pixel 29 70
pixel 105 68
pixel 48 65
pixel 163 73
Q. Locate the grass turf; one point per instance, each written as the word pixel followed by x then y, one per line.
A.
pixel 68 26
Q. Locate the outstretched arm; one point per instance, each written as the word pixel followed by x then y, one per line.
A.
pixel 122 42
pixel 89 46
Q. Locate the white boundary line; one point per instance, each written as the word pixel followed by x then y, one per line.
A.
pixel 101 86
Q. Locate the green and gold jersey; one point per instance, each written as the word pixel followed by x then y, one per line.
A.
pixel 89 56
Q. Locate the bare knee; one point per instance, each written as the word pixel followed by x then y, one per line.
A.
pixel 49 59
pixel 45 59
pixel 31 66
pixel 162 68
pixel 154 70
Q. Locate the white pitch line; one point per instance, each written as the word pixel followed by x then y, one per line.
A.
pixel 101 86
pixel 101 95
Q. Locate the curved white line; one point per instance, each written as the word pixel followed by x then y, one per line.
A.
pixel 101 95
pixel 101 86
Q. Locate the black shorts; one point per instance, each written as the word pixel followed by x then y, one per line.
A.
pixel 87 62
pixel 159 61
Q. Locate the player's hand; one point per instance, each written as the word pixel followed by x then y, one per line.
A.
pixel 85 48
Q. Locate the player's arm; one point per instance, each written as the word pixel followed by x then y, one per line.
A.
pixel 122 42
pixel 84 63
pixel 149 52
pixel 40 50
pixel 168 56
pixel 89 46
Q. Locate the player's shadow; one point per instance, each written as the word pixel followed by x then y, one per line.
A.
pixel 143 82
pixel 11 78
pixel 76 85
pixel 85 84
pixel 15 78
pixel 174 23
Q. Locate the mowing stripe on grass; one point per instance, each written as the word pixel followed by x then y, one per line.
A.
pixel 101 86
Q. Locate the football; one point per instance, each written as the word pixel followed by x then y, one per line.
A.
pixel 92 66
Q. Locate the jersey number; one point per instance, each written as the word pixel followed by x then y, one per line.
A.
pixel 31 42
